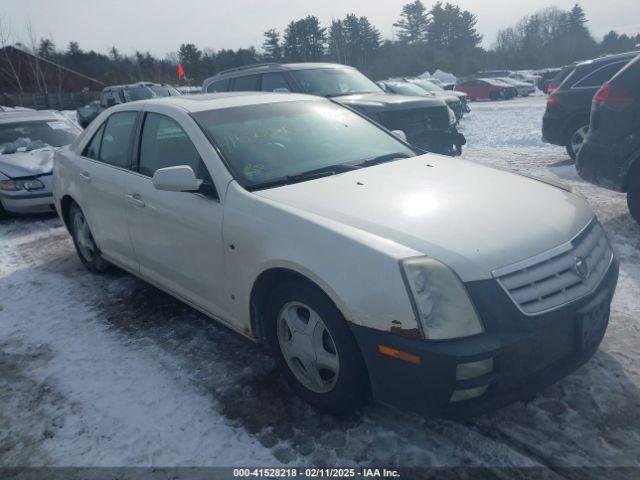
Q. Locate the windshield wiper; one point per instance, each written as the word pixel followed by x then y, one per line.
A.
pixel 389 157
pixel 308 175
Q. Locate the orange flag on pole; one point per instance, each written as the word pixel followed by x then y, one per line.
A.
pixel 181 73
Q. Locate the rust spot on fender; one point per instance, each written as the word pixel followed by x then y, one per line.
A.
pixel 411 333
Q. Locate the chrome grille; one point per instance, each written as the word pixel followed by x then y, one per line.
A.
pixel 554 278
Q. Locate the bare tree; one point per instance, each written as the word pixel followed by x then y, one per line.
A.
pixel 8 71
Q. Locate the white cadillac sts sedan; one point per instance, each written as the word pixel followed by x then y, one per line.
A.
pixel 436 284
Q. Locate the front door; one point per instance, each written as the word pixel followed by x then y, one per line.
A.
pixel 177 236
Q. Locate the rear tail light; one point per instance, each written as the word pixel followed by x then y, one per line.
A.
pixel 553 100
pixel 613 96
pixel 552 87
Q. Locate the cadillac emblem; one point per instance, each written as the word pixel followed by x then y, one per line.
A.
pixel 582 267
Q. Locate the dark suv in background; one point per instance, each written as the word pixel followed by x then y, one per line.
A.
pixel 117 94
pixel 566 119
pixel 428 123
pixel 610 155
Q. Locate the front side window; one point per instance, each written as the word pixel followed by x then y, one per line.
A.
pixel 218 86
pixel 269 143
pixel 138 93
pixel 116 139
pixel 246 84
pixel 333 82
pixel 274 81
pixel 165 144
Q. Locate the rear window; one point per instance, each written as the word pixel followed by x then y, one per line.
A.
pixel 629 76
pixel 600 75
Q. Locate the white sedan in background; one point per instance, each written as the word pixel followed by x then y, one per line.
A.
pixel 439 285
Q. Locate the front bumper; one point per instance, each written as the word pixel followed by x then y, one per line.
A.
pixel 447 142
pixel 529 353
pixel 24 202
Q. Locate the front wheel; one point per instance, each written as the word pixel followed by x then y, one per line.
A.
pixel 83 241
pixel 576 140
pixel 633 195
pixel 315 348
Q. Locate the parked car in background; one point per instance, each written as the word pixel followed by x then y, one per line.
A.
pixel 425 121
pixel 566 118
pixel 610 155
pixel 433 85
pixel 189 90
pixel 545 78
pixel 485 89
pixel 117 94
pixel 406 88
pixel 28 140
pixel 525 76
pixel 523 89
pixel 302 224
pixel 492 73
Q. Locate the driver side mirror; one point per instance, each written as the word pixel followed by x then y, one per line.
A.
pixel 176 179
pixel 400 134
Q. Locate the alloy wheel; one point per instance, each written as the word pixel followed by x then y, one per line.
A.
pixel 578 138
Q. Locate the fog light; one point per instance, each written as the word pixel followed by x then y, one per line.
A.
pixel 465 371
pixel 468 394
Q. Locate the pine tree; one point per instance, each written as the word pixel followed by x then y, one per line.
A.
pixel 271 46
pixel 46 48
pixel 413 22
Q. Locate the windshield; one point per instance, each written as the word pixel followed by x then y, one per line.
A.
pixel 428 86
pixel 406 89
pixel 265 144
pixel 36 134
pixel 164 91
pixel 333 82
pixel 139 93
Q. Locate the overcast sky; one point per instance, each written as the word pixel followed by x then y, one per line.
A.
pixel 160 26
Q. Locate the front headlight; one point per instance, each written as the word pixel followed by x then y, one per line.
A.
pixel 452 116
pixel 28 184
pixel 442 304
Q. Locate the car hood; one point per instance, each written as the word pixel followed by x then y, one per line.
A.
pixel 27 164
pixel 386 101
pixel 474 218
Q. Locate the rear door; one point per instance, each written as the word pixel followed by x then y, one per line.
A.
pixel 102 177
pixel 177 236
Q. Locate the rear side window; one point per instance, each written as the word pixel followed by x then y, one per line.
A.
pixel 165 144
pixel 273 81
pixel 600 75
pixel 116 139
pixel 218 86
pixel 245 84
pixel 92 150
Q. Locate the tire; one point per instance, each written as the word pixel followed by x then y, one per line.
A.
pixel 633 194
pixel 577 136
pixel 342 385
pixel 3 213
pixel 86 247
pixel 494 96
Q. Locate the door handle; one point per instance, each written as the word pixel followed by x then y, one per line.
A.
pixel 136 199
pixel 85 176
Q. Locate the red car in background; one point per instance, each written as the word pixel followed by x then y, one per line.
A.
pixel 485 89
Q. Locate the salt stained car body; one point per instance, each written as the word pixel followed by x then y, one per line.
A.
pixel 300 223
pixel 28 140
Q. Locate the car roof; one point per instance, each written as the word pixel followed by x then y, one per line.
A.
pixel 216 101
pixel 14 116
pixel 271 67
pixel 609 58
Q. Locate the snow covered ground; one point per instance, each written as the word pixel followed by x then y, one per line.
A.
pixel 107 370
